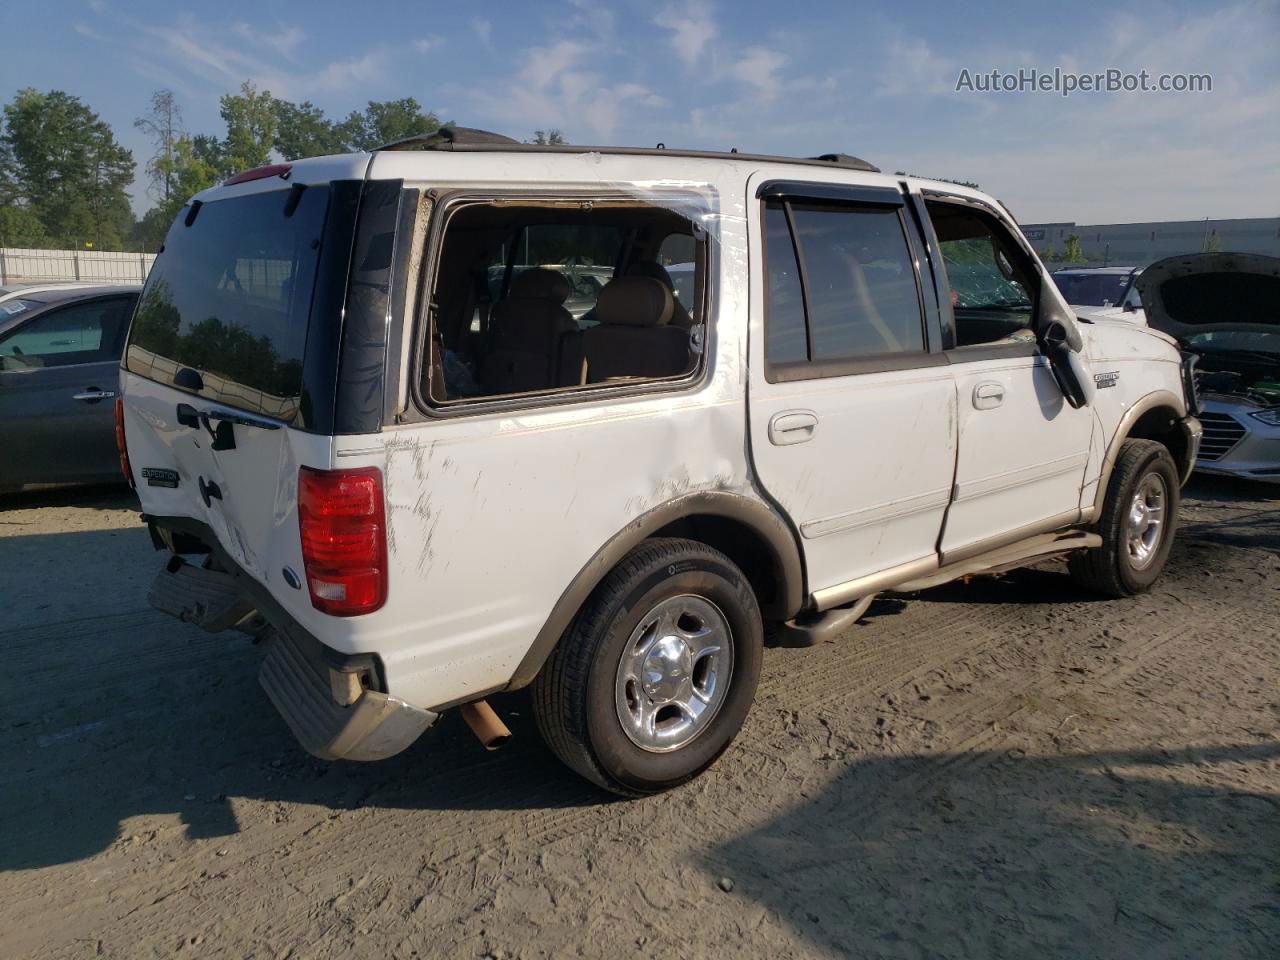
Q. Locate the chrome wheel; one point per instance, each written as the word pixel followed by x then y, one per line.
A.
pixel 1144 526
pixel 674 673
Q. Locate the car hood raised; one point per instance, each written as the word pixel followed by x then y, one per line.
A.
pixel 1204 292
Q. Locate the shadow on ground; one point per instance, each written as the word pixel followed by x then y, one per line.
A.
pixel 1110 854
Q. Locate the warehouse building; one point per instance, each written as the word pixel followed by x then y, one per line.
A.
pixel 1137 244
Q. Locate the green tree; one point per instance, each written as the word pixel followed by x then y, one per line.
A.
pixel 163 124
pixel 61 162
pixel 1072 254
pixel 302 130
pixel 20 227
pixel 1049 253
pixel 250 117
pixel 1213 243
pixel 546 138
pixel 385 122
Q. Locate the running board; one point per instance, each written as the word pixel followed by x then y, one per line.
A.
pixel 1006 558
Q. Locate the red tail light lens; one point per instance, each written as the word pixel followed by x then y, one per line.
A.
pixel 344 539
pixel 120 447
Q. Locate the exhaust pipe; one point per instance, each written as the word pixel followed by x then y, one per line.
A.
pixel 485 724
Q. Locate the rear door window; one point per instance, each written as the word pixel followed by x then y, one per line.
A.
pixel 861 282
pixel 841 285
pixel 230 296
pixel 81 333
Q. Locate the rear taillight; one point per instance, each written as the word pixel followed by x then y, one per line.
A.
pixel 344 539
pixel 123 450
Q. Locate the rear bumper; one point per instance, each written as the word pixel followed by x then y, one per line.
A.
pixel 331 702
pixel 299 683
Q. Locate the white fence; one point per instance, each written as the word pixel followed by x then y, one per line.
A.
pixel 51 266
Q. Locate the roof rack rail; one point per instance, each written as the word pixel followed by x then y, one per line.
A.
pixel 445 138
pixel 483 141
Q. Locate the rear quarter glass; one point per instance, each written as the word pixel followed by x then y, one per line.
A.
pixel 230 297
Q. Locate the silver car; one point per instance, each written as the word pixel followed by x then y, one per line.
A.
pixel 1224 310
pixel 59 373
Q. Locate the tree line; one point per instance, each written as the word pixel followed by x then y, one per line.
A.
pixel 64 178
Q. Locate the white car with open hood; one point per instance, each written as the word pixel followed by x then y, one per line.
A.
pixel 365 427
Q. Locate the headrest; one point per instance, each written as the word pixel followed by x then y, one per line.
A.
pixel 634 302
pixel 650 268
pixel 540 284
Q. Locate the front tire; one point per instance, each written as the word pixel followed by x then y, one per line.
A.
pixel 655 676
pixel 1137 525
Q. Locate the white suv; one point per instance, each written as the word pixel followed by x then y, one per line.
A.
pixel 364 424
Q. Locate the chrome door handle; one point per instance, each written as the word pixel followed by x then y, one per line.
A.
pixel 792 426
pixel 93 395
pixel 987 396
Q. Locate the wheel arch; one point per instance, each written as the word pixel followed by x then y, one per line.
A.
pixel 746 530
pixel 1157 416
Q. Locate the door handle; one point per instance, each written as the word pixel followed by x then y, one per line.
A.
pixel 792 426
pixel 93 395
pixel 988 395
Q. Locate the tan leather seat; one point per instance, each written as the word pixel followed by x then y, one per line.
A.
pixel 634 337
pixel 525 331
pixel 651 268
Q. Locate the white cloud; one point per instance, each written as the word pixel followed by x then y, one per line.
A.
pixel 559 86
pixel 691 26
pixel 281 40
pixel 483 30
pixel 758 68
pixel 911 68
pixel 428 43
pixel 217 55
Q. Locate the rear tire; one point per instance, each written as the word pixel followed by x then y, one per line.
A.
pixel 1139 517
pixel 654 678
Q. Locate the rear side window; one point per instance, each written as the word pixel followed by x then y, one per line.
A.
pixel 538 297
pixel 229 297
pixel 87 332
pixel 841 283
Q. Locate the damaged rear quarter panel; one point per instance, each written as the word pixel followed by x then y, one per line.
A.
pixel 490 517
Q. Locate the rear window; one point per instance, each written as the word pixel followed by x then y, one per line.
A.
pixel 1092 289
pixel 229 297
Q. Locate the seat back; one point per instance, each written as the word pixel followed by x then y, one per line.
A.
pixel 634 338
pixel 525 331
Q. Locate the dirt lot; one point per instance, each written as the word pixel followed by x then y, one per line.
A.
pixel 1005 768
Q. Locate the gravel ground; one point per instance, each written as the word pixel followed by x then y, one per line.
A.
pixel 1004 768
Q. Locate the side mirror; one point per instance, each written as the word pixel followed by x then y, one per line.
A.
pixel 1057 350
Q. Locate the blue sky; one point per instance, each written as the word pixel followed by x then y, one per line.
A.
pixel 875 81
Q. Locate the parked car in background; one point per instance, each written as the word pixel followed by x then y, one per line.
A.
pixel 1098 286
pixel 13 291
pixel 59 373
pixel 1224 308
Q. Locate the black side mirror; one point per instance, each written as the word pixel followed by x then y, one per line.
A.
pixel 1053 344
